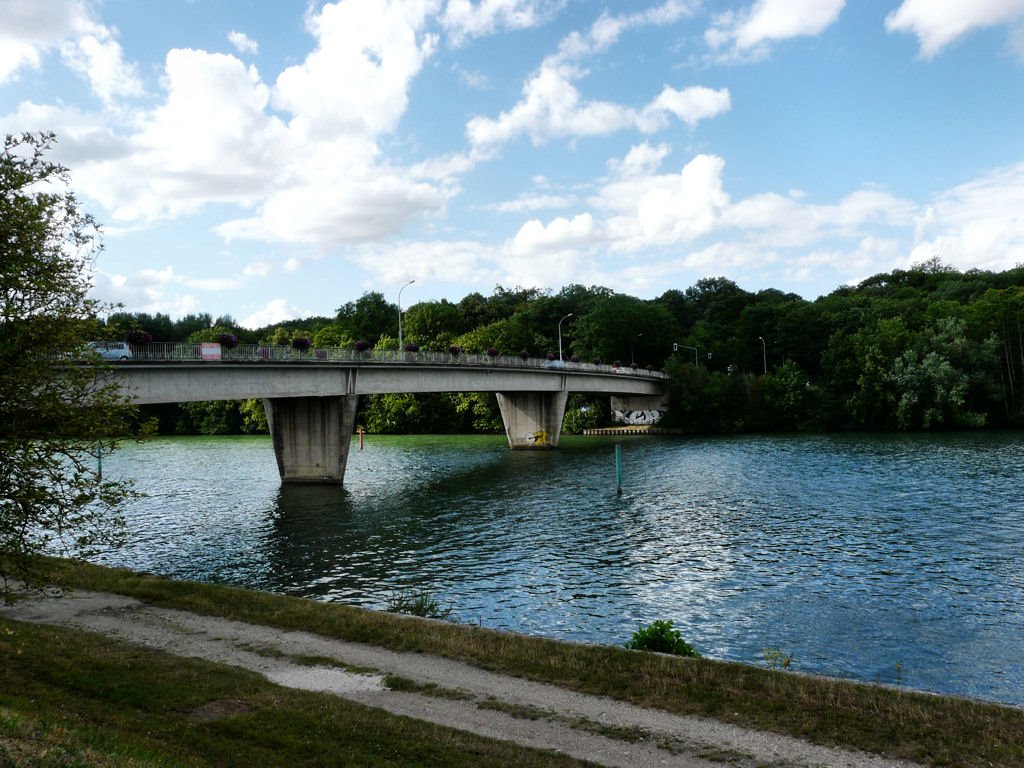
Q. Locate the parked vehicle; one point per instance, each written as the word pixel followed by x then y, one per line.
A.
pixel 111 350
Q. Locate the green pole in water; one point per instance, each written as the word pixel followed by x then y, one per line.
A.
pixel 618 469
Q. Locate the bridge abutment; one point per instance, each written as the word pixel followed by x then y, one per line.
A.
pixel 533 420
pixel 311 436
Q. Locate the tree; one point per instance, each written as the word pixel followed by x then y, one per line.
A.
pixel 369 317
pixel 56 416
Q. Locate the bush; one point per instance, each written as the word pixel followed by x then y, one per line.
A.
pixel 302 344
pixel 660 637
pixel 418 604
pixel 227 340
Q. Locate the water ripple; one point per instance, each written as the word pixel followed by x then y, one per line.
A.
pixel 871 557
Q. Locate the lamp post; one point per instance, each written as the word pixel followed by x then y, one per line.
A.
pixel 632 359
pixel 400 347
pixel 560 334
pixel 764 355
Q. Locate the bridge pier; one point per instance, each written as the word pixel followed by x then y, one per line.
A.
pixel 311 436
pixel 532 419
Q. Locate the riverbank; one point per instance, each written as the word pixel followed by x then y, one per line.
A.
pixel 895 723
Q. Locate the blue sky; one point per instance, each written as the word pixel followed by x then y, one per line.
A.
pixel 271 160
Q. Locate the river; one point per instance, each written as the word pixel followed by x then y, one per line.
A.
pixel 888 558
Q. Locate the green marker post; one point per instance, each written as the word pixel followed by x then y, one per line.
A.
pixel 618 469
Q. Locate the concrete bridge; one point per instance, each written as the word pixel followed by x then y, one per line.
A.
pixel 311 397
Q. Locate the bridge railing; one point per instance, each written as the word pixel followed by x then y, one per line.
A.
pixel 169 352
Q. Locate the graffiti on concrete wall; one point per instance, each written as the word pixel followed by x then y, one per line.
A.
pixel 540 437
pixel 636 418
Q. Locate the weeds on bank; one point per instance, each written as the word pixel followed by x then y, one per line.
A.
pixel 900 723
pixel 418 604
pixel 775 658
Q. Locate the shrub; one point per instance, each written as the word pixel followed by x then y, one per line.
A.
pixel 227 340
pixel 301 343
pixel 417 604
pixel 660 637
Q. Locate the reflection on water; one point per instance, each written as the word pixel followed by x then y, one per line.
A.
pixel 853 553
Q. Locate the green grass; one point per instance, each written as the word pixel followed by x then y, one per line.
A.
pixel 72 698
pixel 933 730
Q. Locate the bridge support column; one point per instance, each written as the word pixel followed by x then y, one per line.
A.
pixel 532 419
pixel 311 436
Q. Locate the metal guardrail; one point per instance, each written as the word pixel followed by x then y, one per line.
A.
pixel 189 352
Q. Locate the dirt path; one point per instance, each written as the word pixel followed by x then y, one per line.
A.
pixel 601 730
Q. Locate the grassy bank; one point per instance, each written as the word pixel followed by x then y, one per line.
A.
pixel 929 729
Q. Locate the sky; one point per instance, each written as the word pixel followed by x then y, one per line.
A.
pixel 271 159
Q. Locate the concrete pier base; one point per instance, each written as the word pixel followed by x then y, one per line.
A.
pixel 533 420
pixel 311 436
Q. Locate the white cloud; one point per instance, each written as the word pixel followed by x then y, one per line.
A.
pixel 157 290
pixel 533 203
pixel 560 234
pixel 30 29
pixel 750 33
pixel 358 77
pixel 648 209
pixel 460 261
pixel 97 56
pixel 464 19
pixel 314 175
pixel 937 24
pixel 690 105
pixel 210 141
pixel 243 43
pixel 257 269
pixel 978 224
pixel 552 106
pixel 275 311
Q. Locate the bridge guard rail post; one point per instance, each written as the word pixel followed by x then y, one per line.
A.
pixel 311 436
pixel 533 420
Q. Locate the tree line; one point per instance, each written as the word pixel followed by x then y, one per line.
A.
pixel 928 347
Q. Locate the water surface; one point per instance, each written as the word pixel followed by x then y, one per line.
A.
pixel 884 558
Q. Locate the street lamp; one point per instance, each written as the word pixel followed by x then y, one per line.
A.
pixel 400 347
pixel 764 355
pixel 632 359
pixel 560 334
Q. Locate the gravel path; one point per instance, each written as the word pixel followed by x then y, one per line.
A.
pixel 600 730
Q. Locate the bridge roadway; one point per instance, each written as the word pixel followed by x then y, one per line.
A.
pixel 311 403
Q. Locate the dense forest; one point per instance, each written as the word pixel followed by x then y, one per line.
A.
pixel 925 348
